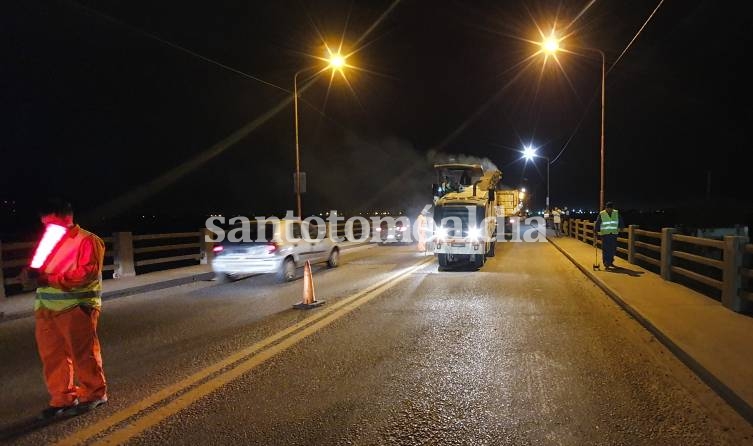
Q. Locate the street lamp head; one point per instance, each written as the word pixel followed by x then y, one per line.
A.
pixel 336 61
pixel 550 45
pixel 529 153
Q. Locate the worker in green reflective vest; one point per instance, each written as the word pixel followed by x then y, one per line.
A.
pixel 608 226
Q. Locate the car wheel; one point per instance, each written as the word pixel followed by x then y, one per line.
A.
pixel 223 277
pixel 478 260
pixel 334 258
pixel 287 271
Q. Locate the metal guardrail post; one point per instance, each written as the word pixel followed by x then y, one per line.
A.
pixel 206 247
pixel 631 243
pixel 734 247
pixel 666 253
pixel 2 277
pixel 122 244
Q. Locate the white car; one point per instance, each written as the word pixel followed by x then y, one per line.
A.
pixel 279 249
pixel 386 233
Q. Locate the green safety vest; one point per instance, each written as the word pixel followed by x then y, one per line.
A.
pixel 609 223
pixel 65 258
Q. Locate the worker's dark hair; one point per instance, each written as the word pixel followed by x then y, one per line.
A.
pixel 609 204
pixel 56 206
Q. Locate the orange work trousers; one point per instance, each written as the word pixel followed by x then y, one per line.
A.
pixel 67 343
pixel 421 245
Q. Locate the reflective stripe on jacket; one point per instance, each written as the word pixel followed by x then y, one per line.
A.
pixel 609 223
pixel 66 258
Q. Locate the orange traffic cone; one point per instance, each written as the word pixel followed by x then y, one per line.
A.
pixel 309 296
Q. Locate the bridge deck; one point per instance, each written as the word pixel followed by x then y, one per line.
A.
pixel 525 351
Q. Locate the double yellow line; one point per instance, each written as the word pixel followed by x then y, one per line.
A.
pixel 144 415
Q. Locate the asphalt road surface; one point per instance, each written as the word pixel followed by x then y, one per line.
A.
pixel 525 351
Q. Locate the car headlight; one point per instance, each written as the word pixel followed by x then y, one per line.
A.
pixel 441 233
pixel 474 233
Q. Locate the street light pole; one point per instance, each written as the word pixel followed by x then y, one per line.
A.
pixel 548 163
pixel 550 45
pixel 603 95
pixel 336 62
pixel 601 145
pixel 529 153
pixel 297 147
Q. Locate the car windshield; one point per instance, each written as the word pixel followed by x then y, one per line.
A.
pixel 464 175
pixel 250 232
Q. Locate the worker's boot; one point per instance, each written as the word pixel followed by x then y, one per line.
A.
pixel 89 405
pixel 55 411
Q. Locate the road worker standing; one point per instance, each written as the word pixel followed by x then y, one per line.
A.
pixel 423 227
pixel 67 307
pixel 557 221
pixel 608 226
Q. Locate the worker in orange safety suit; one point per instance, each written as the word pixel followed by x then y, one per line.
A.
pixel 66 309
pixel 422 227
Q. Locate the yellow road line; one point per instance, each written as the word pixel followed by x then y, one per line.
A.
pixel 315 323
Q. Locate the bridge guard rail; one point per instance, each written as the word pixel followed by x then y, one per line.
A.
pixel 723 265
pixel 128 254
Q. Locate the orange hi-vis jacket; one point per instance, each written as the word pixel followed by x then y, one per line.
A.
pixel 73 272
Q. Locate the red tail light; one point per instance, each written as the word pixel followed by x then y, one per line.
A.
pixel 272 247
pixel 218 248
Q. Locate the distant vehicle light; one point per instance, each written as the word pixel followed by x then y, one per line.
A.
pixel 378 229
pixel 218 249
pixel 52 235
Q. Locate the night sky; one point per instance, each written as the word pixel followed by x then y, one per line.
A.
pixel 97 103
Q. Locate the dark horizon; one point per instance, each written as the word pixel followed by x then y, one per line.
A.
pixel 96 106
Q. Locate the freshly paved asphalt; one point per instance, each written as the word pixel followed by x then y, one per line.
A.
pixel 524 351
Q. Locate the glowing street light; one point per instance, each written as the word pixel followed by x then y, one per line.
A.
pixel 550 46
pixel 335 62
pixel 529 153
